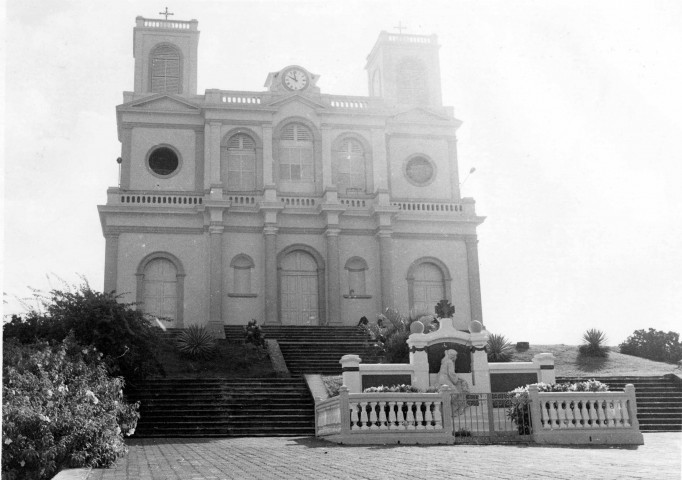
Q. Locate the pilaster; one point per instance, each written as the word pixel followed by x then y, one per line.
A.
pixel 379 160
pixel 271 279
pixel 268 177
pixel 333 275
pixel 215 153
pixel 326 157
pixel 110 261
pixel 454 168
pixel 126 156
pixel 474 278
pixel 215 321
pixel 386 266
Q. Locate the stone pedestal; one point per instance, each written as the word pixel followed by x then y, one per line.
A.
pixel 350 366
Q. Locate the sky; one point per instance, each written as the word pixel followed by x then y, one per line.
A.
pixel 571 114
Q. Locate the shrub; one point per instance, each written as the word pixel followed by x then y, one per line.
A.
pixel 60 409
pixel 594 344
pixel 196 342
pixel 392 338
pixel 399 389
pixel 654 345
pixel 499 349
pixel 125 337
pixel 333 384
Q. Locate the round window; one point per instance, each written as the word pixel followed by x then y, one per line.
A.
pixel 419 170
pixel 163 161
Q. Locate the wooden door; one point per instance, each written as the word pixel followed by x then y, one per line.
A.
pixel 429 288
pixel 160 290
pixel 299 290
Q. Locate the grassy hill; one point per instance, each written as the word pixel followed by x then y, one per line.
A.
pixel 570 363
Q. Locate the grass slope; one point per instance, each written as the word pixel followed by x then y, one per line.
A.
pixel 569 363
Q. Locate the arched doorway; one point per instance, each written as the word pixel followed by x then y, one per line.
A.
pixel 160 289
pixel 299 289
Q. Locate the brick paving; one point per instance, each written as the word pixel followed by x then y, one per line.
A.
pixel 307 458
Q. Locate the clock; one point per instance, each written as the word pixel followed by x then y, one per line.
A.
pixel 295 79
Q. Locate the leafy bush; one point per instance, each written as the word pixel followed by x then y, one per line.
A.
pixel 519 411
pixel 196 342
pixel 125 337
pixel 332 384
pixel 399 389
pixel 654 345
pixel 594 344
pixel 60 409
pixel 391 336
pixel 499 349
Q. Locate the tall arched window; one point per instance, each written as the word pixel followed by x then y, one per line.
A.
pixel 412 81
pixel 296 162
pixel 166 70
pixel 239 163
pixel 350 167
pixel 428 282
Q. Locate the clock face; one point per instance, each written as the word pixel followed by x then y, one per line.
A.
pixel 295 79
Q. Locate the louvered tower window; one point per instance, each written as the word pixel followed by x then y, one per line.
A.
pixel 296 154
pixel 412 81
pixel 241 163
pixel 166 70
pixel 350 166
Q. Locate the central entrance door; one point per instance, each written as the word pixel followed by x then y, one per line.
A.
pixel 298 281
pixel 429 288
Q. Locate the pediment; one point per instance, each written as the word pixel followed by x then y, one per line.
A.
pixel 165 103
pixel 296 97
pixel 420 115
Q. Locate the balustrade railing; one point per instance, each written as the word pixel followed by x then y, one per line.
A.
pixel 299 202
pixel 436 207
pixel 155 199
pixel 169 24
pixel 587 410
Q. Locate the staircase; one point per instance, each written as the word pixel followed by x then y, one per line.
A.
pixel 224 407
pixel 314 349
pixel 659 400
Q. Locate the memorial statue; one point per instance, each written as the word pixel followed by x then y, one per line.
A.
pixel 448 376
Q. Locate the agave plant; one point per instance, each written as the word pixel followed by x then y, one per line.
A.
pixel 196 342
pixel 499 349
pixel 594 344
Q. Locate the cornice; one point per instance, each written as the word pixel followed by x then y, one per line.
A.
pixel 118 230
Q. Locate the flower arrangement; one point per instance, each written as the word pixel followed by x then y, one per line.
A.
pixel 403 388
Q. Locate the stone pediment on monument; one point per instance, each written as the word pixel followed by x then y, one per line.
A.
pixel 420 115
pixel 162 102
pixel 296 97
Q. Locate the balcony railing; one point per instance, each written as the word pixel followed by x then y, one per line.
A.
pixel 167 24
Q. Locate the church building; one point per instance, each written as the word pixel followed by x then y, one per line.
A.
pixel 288 205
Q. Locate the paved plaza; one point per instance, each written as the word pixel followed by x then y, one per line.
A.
pixel 307 458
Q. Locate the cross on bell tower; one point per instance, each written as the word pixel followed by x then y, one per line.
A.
pixel 166 13
pixel 400 27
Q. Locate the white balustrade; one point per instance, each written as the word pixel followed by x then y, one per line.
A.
pixel 584 410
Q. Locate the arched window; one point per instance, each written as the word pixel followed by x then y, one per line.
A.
pixel 350 167
pixel 356 268
pixel 296 162
pixel 160 287
pixel 412 81
pixel 166 70
pixel 239 163
pixel 428 282
pixel 241 267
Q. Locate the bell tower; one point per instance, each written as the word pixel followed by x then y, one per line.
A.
pixel 165 54
pixel 404 69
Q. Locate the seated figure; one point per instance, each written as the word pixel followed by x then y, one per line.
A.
pixel 448 376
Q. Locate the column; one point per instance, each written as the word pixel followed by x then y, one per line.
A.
pixel 474 278
pixel 110 261
pixel 334 315
pixel 215 281
pixel 386 268
pixel 271 311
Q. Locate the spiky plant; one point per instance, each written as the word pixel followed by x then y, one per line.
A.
pixel 499 349
pixel 594 344
pixel 196 342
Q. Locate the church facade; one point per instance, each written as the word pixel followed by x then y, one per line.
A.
pixel 288 205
